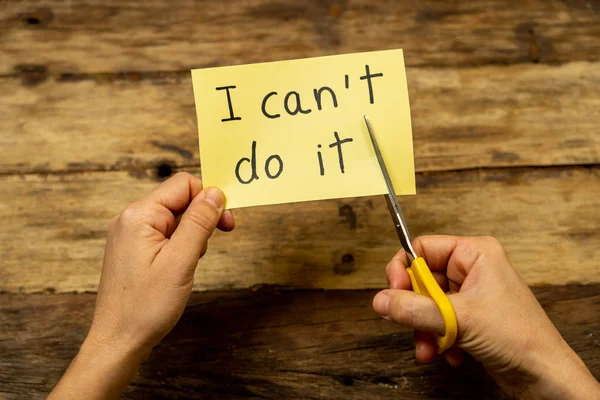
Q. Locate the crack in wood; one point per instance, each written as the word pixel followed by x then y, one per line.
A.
pixel 149 167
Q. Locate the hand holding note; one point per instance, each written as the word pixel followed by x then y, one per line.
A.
pixel 152 250
pixel 293 131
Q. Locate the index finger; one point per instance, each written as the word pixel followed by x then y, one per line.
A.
pixel 455 254
pixel 398 278
pixel 177 192
pixel 395 272
pixel 436 250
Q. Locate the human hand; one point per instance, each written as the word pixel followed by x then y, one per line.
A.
pixel 500 322
pixel 152 250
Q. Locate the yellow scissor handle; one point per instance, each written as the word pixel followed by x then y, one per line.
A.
pixel 425 284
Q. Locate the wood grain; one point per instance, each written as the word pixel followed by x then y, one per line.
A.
pixel 69 37
pixel 545 218
pixel 96 102
pixel 474 117
pixel 310 345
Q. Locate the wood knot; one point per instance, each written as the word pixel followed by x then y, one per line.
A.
pixel 37 18
pixel 163 170
pixel 31 74
pixel 349 215
pixel 346 266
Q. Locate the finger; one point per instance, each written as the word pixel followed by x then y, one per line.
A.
pixel 163 220
pixel 188 242
pixel 425 346
pixel 226 223
pixel 140 213
pixel 177 192
pixel 398 278
pixel 441 279
pixel 454 356
pixel 455 255
pixel 453 286
pixel 436 250
pixel 395 272
pixel 409 309
pixel 177 221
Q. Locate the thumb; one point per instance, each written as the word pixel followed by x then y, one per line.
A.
pixel 198 222
pixel 409 309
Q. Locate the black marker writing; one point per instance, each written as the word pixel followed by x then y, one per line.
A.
pixel 268 162
pixel 271 109
pixel 252 165
pixel 318 94
pixel 264 107
pixel 252 161
pixel 232 116
pixel 321 168
pixel 298 108
pixel 368 77
pixel 339 143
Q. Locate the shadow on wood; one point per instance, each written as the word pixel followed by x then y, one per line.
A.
pixel 297 344
pixel 265 344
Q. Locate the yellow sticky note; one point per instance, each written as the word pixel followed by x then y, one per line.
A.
pixel 289 131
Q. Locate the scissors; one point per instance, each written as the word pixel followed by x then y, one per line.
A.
pixel 421 278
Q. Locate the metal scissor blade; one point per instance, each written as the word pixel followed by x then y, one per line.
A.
pixel 400 225
pixel 390 197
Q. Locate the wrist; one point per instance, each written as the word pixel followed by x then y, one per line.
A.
pixel 114 355
pixel 100 370
pixel 114 350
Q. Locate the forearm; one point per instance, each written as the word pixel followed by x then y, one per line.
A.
pixel 569 379
pixel 98 372
pixel 561 377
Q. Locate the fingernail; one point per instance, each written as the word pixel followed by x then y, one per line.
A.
pixel 215 197
pixel 419 348
pixel 380 303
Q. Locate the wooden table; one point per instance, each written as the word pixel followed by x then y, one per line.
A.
pixel 96 108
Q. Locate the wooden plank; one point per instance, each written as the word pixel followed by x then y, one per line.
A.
pixel 99 36
pixel 270 345
pixel 546 218
pixel 491 116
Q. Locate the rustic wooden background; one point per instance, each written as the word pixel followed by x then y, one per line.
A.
pixel 96 108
